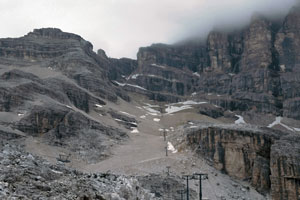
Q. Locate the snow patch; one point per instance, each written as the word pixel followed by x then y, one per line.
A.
pixel 190 102
pixel 135 130
pixel 98 105
pixel 120 84
pixel 297 129
pixel 127 114
pixel 152 106
pixel 152 75
pixel 240 120
pixel 136 86
pixel 68 106
pixel 278 122
pixel 127 84
pixel 193 126
pixel 174 109
pixel 287 127
pixel 196 74
pixel 119 120
pixel 194 94
pixel 171 148
pixel 150 109
pixel 20 114
pixel 156 119
pixel 156 65
pixel 161 129
pixel 134 76
pixel 143 116
pixel 56 172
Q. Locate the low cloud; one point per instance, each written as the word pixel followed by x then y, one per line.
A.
pixel 120 27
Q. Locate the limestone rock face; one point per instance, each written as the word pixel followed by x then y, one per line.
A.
pixel 120 69
pixel 285 168
pixel 236 152
pixel 256 67
pixel 167 69
pixel 265 157
pixel 50 81
pixel 288 47
pixel 219 56
pixel 257 44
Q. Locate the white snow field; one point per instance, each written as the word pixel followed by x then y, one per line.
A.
pixel 240 120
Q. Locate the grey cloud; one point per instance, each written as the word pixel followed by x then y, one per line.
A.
pixel 120 27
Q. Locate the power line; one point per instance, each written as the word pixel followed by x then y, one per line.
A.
pixel 204 176
pixel 187 177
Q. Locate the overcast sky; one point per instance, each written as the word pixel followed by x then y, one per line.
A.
pixel 120 27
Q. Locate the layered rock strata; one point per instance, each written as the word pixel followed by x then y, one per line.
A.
pixel 255 68
pixel 267 158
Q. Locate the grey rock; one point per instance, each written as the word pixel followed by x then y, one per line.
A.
pixel 254 69
pixel 36 179
pixel 265 157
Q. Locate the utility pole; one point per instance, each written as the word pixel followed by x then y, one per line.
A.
pixel 187 185
pixel 165 135
pixel 205 176
pixel 161 116
pixel 166 149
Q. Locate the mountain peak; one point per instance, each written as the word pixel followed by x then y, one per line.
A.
pixel 53 33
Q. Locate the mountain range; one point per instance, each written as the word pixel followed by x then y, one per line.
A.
pixel 233 99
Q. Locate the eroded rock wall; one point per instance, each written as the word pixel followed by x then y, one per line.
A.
pixel 257 66
pixel 267 158
pixel 285 168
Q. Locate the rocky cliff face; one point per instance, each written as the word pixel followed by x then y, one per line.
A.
pixel 168 69
pixel 285 168
pixel 49 82
pixel 52 86
pixel 256 68
pixel 267 158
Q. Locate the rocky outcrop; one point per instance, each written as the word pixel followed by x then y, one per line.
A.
pixel 166 68
pixel 24 176
pixel 267 158
pixel 127 121
pixel 49 82
pixel 60 51
pixel 62 126
pixel 257 66
pixel 121 69
pixel 210 110
pixel 285 168
pixel 287 45
pixel 165 187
